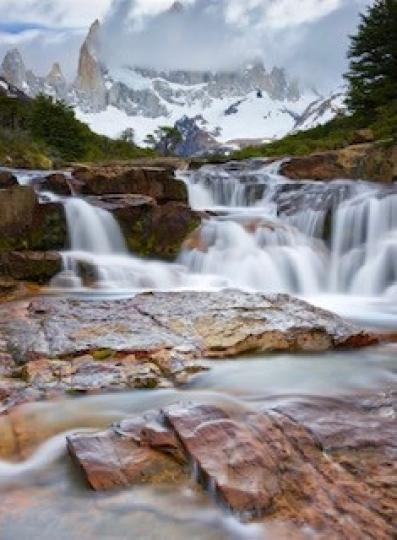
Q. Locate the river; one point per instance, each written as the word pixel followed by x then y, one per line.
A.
pixel 334 244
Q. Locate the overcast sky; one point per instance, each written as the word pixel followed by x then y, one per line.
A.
pixel 308 37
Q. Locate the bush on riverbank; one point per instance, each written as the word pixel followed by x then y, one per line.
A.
pixel 40 133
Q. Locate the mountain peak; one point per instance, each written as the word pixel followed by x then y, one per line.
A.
pixel 177 7
pixel 13 68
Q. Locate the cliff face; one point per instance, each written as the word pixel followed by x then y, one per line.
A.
pixel 90 83
pixel 13 69
pixel 56 81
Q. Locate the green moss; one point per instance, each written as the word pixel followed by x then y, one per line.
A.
pixel 103 354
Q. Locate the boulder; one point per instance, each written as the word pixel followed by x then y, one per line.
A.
pixel 363 136
pixel 322 166
pixel 136 451
pixel 261 465
pixel 7 180
pixel 366 161
pixel 153 340
pixel 28 225
pixel 150 229
pixel 155 182
pixel 55 183
pixel 35 266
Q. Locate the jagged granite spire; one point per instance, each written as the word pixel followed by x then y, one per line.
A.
pixel 56 82
pixel 90 83
pixel 13 69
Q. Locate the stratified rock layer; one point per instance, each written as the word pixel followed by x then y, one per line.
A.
pixel 262 465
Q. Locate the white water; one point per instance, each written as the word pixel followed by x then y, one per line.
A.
pixel 98 258
pixel 259 250
pixel 263 233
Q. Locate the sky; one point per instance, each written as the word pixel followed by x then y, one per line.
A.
pixel 307 37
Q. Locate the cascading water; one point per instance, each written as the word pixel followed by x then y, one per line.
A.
pixel 262 232
pixel 306 238
pixel 98 258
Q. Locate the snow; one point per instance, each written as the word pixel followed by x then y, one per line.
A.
pixel 256 118
pixel 131 78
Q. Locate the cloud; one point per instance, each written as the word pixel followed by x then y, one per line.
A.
pixel 308 37
pixel 54 13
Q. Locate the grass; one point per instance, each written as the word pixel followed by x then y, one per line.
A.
pixel 338 133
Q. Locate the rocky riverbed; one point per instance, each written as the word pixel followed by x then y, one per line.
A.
pixel 55 345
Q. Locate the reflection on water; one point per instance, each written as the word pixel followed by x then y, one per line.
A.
pixel 45 498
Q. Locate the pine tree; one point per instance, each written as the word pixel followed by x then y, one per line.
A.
pixel 372 76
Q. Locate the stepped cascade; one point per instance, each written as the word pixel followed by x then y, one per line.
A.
pixel 260 231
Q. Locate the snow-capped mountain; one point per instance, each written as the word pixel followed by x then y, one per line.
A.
pixel 247 104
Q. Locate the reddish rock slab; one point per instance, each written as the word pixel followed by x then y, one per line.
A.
pixel 156 182
pixel 122 456
pixel 260 465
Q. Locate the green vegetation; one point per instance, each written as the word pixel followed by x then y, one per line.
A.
pixel 164 140
pixel 40 133
pixel 337 133
pixel 372 76
pixel 372 91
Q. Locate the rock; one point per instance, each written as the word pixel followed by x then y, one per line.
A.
pixel 13 69
pixel 260 465
pixel 28 225
pixel 154 182
pixel 153 340
pixel 35 266
pixel 56 81
pixel 134 452
pixel 90 83
pixel 17 206
pixel 56 183
pixel 363 136
pixel 7 180
pixel 213 324
pixel 149 229
pixel 323 166
pixel 367 161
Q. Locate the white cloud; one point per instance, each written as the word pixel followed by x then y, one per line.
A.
pixel 54 13
pixel 309 37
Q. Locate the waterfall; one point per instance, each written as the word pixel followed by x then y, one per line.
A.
pixel 98 257
pixel 364 249
pixel 306 238
pixel 261 232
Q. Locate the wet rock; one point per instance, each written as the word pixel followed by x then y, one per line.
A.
pixel 129 454
pixel 213 324
pixel 150 229
pixel 17 206
pixel 323 166
pixel 261 465
pixel 155 182
pixel 28 225
pixel 56 183
pixel 35 266
pixel 7 180
pixel 367 161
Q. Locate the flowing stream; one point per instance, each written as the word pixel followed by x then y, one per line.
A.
pixel 333 243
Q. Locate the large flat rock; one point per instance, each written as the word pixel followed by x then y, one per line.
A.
pixel 52 346
pixel 211 324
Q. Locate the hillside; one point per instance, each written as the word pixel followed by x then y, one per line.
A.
pixel 40 134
